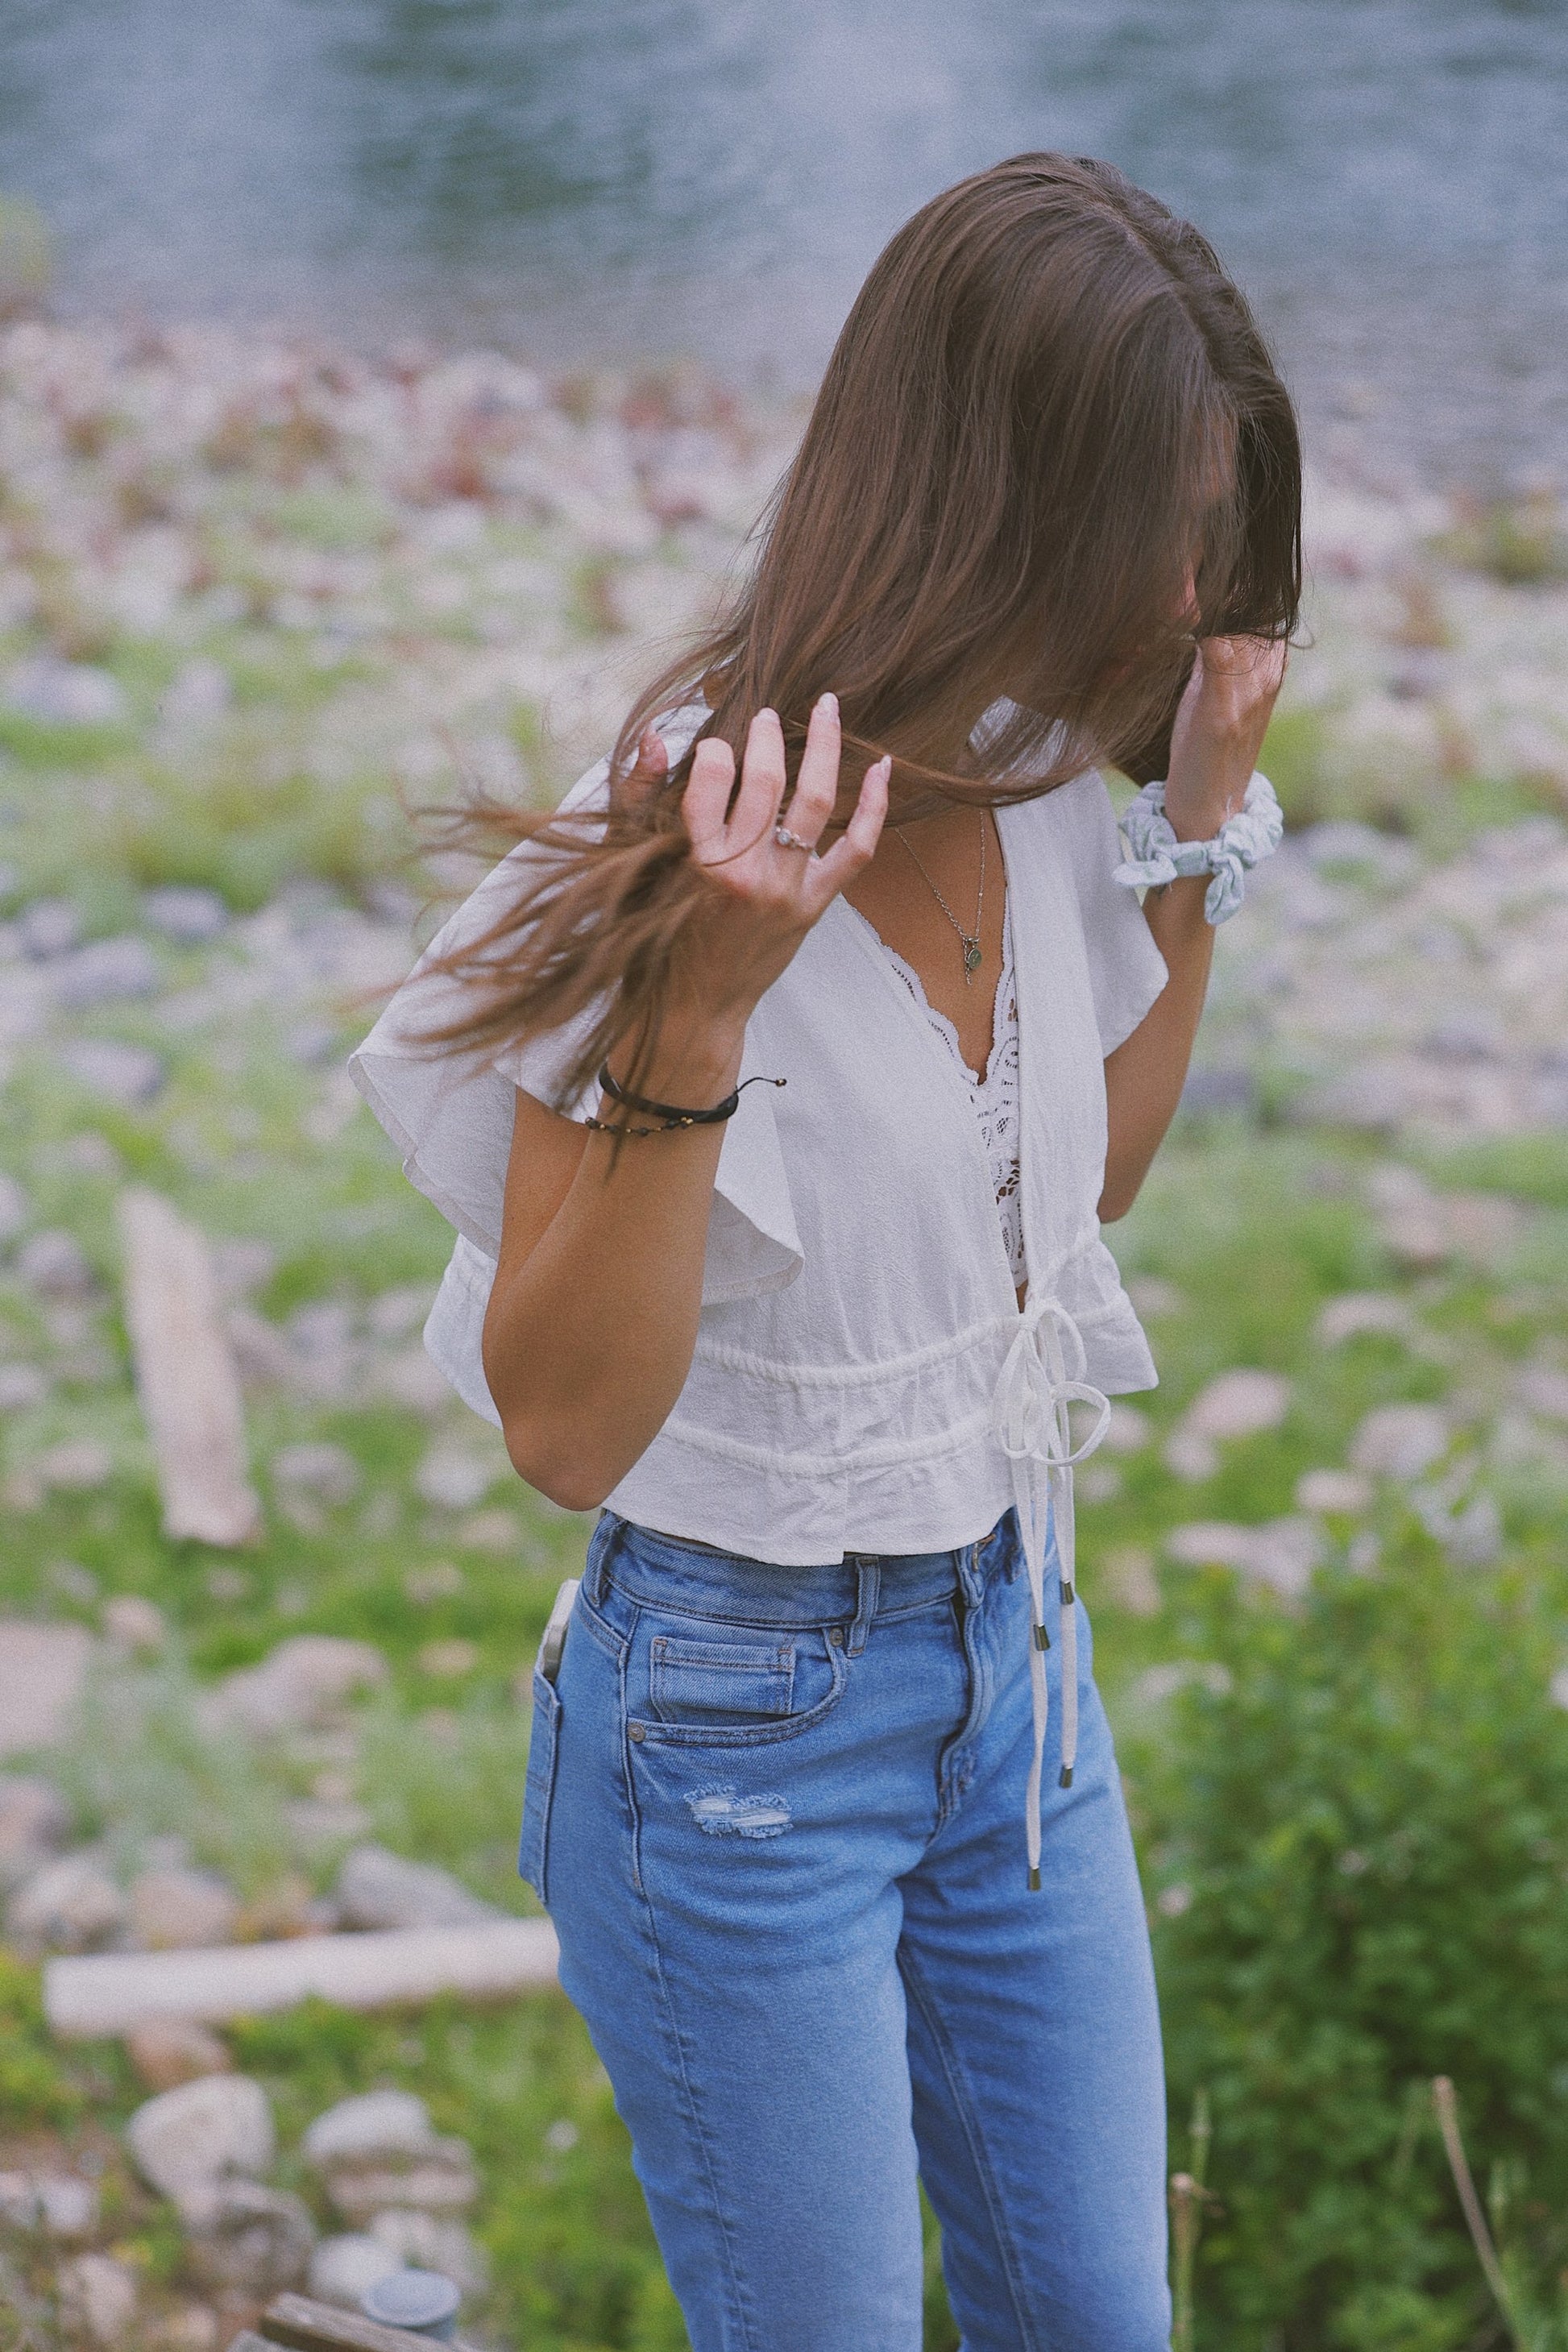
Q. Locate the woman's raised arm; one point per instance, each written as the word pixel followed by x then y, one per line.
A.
pixel 1214 745
pixel 592 1317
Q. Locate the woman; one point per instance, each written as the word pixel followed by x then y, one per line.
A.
pixel 777 1131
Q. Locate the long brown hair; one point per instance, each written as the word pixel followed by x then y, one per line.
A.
pixel 1050 450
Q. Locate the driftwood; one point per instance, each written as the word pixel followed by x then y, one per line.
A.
pixel 186 1375
pixel 104 1993
pixel 308 2327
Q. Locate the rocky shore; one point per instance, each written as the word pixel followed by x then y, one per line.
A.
pixel 256 600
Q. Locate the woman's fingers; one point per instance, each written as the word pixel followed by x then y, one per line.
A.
pixel 816 782
pixel 707 797
pixel 651 767
pixel 857 843
pixel 762 776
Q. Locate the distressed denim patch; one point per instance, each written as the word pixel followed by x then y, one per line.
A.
pixel 723 1812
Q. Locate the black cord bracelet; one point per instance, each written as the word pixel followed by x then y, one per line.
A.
pixel 672 1116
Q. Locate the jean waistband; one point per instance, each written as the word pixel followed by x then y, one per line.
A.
pixel 663 1569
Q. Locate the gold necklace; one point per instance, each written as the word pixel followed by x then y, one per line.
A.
pixel 968 940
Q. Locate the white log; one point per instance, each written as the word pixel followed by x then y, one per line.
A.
pixel 186 1375
pixel 103 1993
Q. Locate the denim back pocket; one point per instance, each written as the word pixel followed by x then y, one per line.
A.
pixel 692 1681
pixel 533 1854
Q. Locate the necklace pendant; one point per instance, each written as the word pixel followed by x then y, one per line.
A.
pixel 971 957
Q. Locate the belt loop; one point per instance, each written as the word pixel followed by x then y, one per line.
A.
pixel 868 1575
pixel 601 1546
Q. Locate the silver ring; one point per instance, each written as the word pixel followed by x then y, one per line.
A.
pixel 788 840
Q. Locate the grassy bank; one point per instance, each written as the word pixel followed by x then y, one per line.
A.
pixel 254 603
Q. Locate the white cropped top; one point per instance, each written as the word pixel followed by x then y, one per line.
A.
pixel 864 1378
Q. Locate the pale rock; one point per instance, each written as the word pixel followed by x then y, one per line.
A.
pixel 1239 1404
pixel 35 1822
pixel 21 1386
pixel 453 1478
pixel 1557 1689
pixel 66 694
pixel 441 2180
pixel 191 2327
pixel 106 971
pixel 328 1474
pixel 377 1888
pixel 1410 1218
pixel 1401 1440
pixel 1280 1553
pixel 1346 1492
pixel 43 1670
pixel 166 2052
pixel 132 1621
pixel 49 927
pixel 53 1265
pixel 241 1264
pixel 450 1660
pixel 69 1905
pixel 394 1314
pixel 68 2205
pixel 261 1350
pixel 1153 1298
pixel 1128 1431
pixel 410 1379
pixel 120 1073
pixel 1188 1455
pixel 499 1531
pixel 1543 1389
pixel 97 2297
pixel 1159 1684
pixel 1129 1576
pixel 187 916
pixel 344 2268
pixel 379 2151
pixel 187 2141
pixel 1359 1313
pixel 198 695
pixel 1473 1536
pixel 299 1683
pixel 426 2242
pixel 247 2238
pixel 78 1465
pixel 375 2124
pixel 180 1910
pixel 60 2205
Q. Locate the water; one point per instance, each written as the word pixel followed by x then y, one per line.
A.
pixel 601 177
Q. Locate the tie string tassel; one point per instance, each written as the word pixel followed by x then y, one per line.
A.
pixel 1041 1377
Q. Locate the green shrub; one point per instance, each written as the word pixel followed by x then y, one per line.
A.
pixel 1361 1849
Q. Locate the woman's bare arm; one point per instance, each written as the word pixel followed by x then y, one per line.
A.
pixel 1214 746
pixel 592 1317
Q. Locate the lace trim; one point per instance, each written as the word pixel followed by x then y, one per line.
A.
pixel 994 1092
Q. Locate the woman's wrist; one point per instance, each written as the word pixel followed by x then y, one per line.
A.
pixel 696 1067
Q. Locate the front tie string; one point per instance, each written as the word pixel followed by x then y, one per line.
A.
pixel 1040 1378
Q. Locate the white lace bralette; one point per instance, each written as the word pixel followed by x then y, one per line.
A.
pixel 995 1092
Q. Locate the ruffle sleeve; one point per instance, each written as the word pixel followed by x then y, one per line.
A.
pixel 450 1115
pixel 1126 970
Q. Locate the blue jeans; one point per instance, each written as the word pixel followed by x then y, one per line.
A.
pixel 776 1814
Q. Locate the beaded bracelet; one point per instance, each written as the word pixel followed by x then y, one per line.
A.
pixel 672 1116
pixel 1253 832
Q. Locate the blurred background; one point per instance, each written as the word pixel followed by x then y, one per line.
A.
pixel 384 385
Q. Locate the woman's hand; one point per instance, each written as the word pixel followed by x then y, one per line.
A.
pixel 762 896
pixel 1220 725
